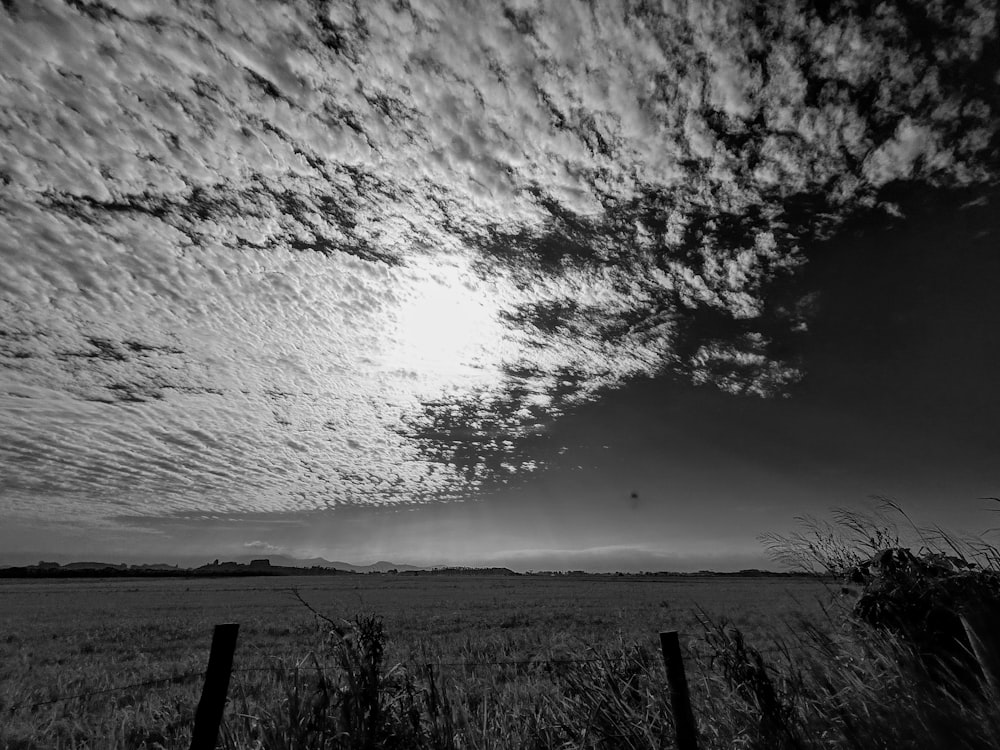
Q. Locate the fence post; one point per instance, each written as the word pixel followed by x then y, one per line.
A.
pixel 208 716
pixel 680 699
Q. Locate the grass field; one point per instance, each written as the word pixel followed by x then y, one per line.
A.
pixel 65 637
pixel 379 662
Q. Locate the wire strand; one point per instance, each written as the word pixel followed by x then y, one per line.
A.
pixel 105 691
pixel 317 668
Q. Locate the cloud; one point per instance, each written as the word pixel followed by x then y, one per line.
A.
pixel 741 367
pixel 626 558
pixel 280 260
pixel 258 546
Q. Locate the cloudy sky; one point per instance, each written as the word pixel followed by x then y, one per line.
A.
pixel 545 284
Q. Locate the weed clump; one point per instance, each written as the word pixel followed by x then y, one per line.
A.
pixel 934 603
pixel 935 600
pixel 351 701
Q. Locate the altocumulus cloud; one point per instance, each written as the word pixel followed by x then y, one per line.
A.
pixel 290 256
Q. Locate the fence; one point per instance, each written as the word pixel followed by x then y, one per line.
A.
pixel 216 678
pixel 217 674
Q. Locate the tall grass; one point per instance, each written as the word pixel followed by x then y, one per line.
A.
pixel 890 668
pixel 857 688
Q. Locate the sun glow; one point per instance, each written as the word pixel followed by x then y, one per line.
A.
pixel 449 334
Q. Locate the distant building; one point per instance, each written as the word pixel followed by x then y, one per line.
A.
pixel 262 563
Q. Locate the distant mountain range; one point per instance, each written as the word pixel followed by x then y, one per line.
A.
pixel 275 561
pixel 282 565
pixel 293 562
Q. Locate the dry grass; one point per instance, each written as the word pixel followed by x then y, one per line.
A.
pixel 497 649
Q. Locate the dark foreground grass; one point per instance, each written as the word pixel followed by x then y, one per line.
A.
pixel 857 690
pixel 829 687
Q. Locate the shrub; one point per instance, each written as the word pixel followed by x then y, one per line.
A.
pixel 929 598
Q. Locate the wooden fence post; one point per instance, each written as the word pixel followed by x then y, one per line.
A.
pixel 208 716
pixel 680 699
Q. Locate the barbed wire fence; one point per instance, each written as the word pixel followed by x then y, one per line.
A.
pixel 177 679
pixel 214 696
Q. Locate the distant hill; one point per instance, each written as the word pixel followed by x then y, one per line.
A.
pixel 466 571
pixel 277 565
pixel 86 565
pixel 94 566
pixel 294 562
pixel 377 567
pixel 280 565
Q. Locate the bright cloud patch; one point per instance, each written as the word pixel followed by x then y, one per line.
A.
pixel 311 255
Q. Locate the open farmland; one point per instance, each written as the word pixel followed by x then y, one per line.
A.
pixel 163 623
pixel 67 637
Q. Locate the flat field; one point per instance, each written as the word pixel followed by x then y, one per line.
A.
pixel 163 622
pixel 62 637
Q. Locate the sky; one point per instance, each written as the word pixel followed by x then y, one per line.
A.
pixel 550 285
